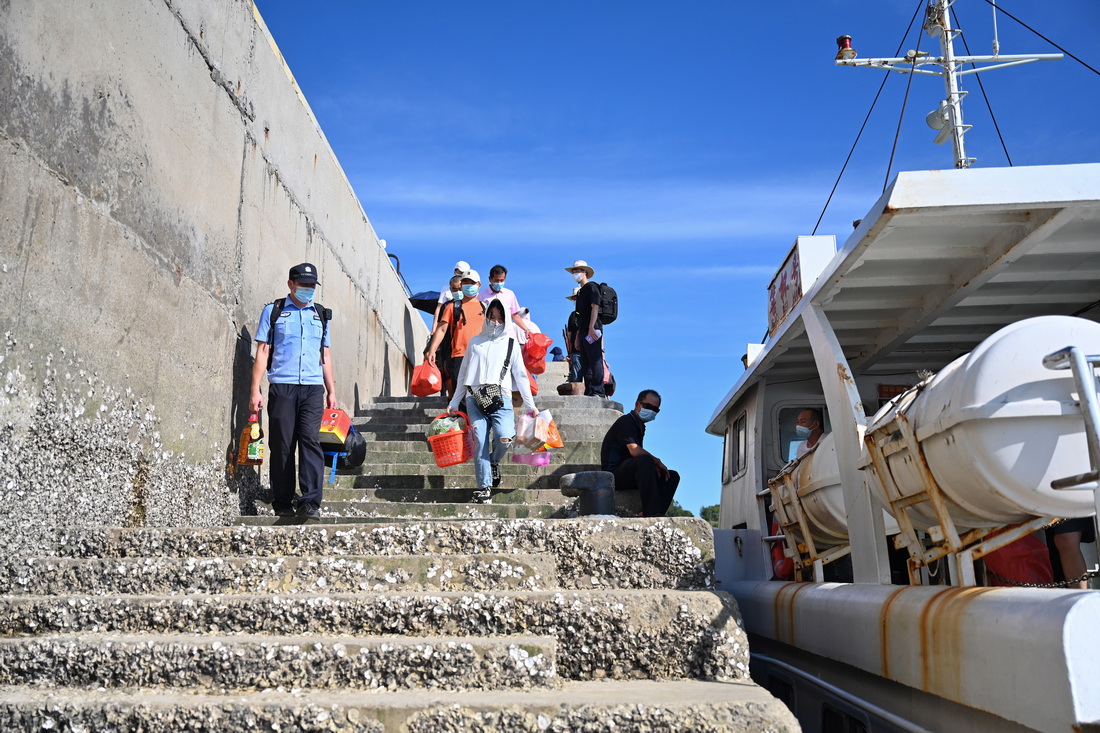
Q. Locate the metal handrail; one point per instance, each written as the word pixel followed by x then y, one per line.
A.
pixel 397 269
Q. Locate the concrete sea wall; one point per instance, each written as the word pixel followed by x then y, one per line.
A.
pixel 160 171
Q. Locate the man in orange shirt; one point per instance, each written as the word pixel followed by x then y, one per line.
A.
pixel 463 320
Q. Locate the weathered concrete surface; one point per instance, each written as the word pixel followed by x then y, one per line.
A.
pixel 159 173
pixel 243 662
pixel 630 706
pixel 588 553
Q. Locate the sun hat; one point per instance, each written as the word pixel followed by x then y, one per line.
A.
pixel 573 295
pixel 581 265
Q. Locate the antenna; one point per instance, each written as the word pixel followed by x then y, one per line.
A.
pixel 947 119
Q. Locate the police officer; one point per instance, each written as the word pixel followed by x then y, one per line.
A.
pixel 301 387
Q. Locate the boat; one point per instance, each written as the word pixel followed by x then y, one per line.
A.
pixel 950 344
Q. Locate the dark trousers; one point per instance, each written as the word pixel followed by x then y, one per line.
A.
pixel 294 418
pixel 576 372
pixel 640 472
pixel 592 366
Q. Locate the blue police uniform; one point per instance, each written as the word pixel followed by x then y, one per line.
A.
pixel 296 401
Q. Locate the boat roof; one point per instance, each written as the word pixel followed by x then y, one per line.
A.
pixel 943 260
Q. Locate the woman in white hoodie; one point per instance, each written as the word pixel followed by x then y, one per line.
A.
pixel 487 363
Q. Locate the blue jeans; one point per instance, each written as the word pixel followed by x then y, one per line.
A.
pixel 503 426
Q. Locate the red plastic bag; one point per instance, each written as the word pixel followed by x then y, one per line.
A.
pixel 1024 561
pixel 534 383
pixel 534 352
pixel 426 380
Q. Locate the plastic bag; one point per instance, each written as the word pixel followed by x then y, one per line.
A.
pixel 426 380
pixel 445 425
pixel 537 345
pixel 542 426
pixel 534 352
pixel 525 433
pixel 553 439
pixel 531 459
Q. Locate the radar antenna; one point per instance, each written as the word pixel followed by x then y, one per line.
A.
pixel 947 119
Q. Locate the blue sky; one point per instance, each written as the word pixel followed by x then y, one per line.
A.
pixel 679 147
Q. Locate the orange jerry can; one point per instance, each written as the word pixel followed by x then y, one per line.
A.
pixel 335 425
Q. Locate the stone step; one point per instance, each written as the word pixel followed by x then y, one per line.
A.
pixel 543 400
pixel 343 490
pixel 351 510
pixel 248 662
pixel 427 414
pixel 411 478
pixel 385 462
pixel 338 574
pixel 667 552
pixel 629 706
pixel 412 431
pixel 614 634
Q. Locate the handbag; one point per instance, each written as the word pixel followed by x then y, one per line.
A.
pixel 490 397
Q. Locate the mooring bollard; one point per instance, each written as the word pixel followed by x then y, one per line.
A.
pixel 595 489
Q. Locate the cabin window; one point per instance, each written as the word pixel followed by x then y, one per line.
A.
pixel 733 457
pixel 788 438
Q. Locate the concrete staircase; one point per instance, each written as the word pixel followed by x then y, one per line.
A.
pixel 405 608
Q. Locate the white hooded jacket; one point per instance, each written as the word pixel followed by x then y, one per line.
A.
pixel 483 363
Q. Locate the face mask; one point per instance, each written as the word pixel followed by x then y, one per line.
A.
pixel 496 287
pixel 456 295
pixel 646 415
pixel 469 291
pixel 578 277
pixel 802 431
pixel 496 329
pixel 304 294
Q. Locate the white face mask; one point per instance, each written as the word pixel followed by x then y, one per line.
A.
pixel 578 277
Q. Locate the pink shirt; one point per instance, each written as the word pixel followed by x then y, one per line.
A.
pixel 505 296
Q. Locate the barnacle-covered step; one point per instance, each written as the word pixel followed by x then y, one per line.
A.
pixel 338 574
pixel 345 491
pixel 669 552
pixel 616 634
pixel 249 662
pixel 444 479
pixel 351 511
pixel 630 706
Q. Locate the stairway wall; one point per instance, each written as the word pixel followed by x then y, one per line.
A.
pixel 160 171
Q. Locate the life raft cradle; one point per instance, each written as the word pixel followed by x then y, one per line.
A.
pixel 943 540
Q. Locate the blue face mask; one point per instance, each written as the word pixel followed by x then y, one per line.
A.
pixel 469 291
pixel 304 295
pixel 802 431
pixel 496 287
pixel 646 415
pixel 456 295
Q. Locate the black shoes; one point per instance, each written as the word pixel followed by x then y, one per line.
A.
pixel 483 496
pixel 495 469
pixel 289 512
pixel 307 510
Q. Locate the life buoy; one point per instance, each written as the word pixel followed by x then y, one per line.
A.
pixel 782 566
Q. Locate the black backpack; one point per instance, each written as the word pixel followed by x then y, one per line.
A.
pixel 277 309
pixel 609 304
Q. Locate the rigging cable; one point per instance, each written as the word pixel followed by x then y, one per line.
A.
pixel 981 86
pixel 901 117
pixel 865 119
pixel 1025 25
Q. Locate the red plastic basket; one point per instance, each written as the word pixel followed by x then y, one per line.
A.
pixel 450 449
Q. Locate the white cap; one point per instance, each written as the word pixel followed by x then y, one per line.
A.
pixel 462 266
pixel 472 275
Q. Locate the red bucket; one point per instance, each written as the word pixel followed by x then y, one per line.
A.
pixel 453 448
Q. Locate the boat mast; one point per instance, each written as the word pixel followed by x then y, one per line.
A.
pixel 948 119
